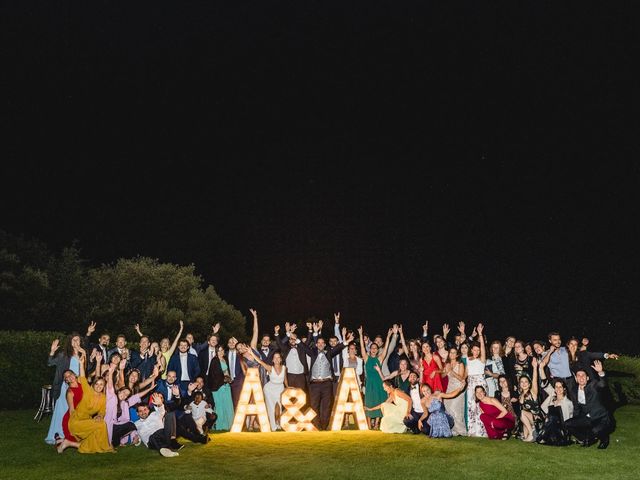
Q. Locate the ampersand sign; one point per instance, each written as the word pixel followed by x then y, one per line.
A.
pixel 293 399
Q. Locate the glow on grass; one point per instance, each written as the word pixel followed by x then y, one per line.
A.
pixel 245 407
pixel 293 399
pixel 348 400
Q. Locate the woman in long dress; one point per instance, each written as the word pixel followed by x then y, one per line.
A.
pixel 457 374
pixel 531 415
pixel 66 360
pixel 218 380
pixel 497 420
pixel 431 367
pixel 374 393
pixel 86 423
pixel 494 367
pixel 274 387
pixel 475 377
pixel 400 377
pixel 394 409
pixel 412 351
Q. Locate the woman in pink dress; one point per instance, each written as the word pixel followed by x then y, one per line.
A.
pixel 497 420
pixel 431 368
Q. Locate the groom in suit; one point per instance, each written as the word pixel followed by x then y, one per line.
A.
pixel 322 374
pixel 185 364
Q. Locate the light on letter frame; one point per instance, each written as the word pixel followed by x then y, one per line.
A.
pixel 292 400
pixel 253 386
pixel 342 404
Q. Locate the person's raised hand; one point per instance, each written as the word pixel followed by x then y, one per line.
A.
pixel 276 329
pixel 254 313
pixel 336 317
pixel 613 356
pixel 425 327
pixel 156 398
pixel 91 328
pixel 400 329
pixel 534 362
pixel 320 324
pixel 360 329
pixel 175 390
pixel 445 329
pixel 350 338
pixel 597 366
pixel 112 368
pixel 480 328
pixel 287 327
pixel 461 327
pixel 122 364
pixel 98 356
pixel 191 387
pixel 55 345
pixel 181 324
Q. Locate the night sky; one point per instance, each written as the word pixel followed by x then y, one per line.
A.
pixel 396 161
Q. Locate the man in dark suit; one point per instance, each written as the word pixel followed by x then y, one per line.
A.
pixel 235 370
pixel 322 374
pixel 591 420
pixel 101 347
pixel 294 355
pixel 172 392
pixel 207 354
pixel 184 364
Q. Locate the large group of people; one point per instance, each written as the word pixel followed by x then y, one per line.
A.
pixel 543 391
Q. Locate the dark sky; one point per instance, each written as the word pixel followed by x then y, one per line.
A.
pixel 398 161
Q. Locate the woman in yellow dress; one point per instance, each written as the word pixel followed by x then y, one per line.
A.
pixel 86 422
pixel 394 410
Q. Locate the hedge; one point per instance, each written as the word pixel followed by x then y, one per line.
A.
pixel 23 370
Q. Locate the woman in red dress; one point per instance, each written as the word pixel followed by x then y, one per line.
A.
pixel 431 368
pixel 74 395
pixel 497 420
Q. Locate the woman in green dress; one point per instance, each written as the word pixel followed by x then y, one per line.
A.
pixel 219 380
pixel 374 393
pixel 400 377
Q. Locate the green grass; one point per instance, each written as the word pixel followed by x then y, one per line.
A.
pixel 322 455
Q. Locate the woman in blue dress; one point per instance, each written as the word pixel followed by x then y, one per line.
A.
pixel 438 420
pixel 67 359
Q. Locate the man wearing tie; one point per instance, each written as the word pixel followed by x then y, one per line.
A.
pixel 102 346
pixel 235 370
pixel 206 355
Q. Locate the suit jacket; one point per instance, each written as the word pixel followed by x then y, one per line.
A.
pixel 239 373
pixel 203 360
pixel 312 351
pixel 61 362
pixel 300 348
pixel 584 360
pixel 593 405
pixel 192 365
pixel 175 403
pixel 144 364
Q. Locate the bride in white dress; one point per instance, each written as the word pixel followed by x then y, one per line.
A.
pixel 273 388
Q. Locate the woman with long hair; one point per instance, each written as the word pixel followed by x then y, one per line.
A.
pixel 274 387
pixel 475 377
pixel 431 368
pixel 117 413
pixel 86 423
pixel 412 351
pixel 400 377
pixel 455 406
pixel 505 395
pixel 166 350
pixel 218 381
pixel 434 412
pixel 557 408
pixel 531 415
pixel 497 420
pixel 495 367
pixel 374 393
pixel 68 359
pixel 394 409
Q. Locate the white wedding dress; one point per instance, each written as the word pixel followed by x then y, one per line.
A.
pixel 272 391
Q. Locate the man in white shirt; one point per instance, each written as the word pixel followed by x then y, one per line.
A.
pixel 411 421
pixel 157 429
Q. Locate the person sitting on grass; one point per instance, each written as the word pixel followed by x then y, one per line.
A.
pixel 157 429
pixel 199 410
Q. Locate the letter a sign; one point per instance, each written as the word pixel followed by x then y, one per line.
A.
pixel 348 400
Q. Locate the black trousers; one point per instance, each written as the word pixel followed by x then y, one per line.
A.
pixel 120 431
pixel 186 428
pixel 412 423
pixel 297 380
pixel 321 401
pixel 162 438
pixel 585 428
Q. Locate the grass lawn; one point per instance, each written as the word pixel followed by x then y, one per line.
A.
pixel 322 455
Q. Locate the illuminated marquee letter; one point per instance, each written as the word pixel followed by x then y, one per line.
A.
pixel 292 400
pixel 348 387
pixel 253 386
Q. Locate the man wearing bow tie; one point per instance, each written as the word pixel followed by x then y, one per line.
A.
pixel 411 421
pixel 207 354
